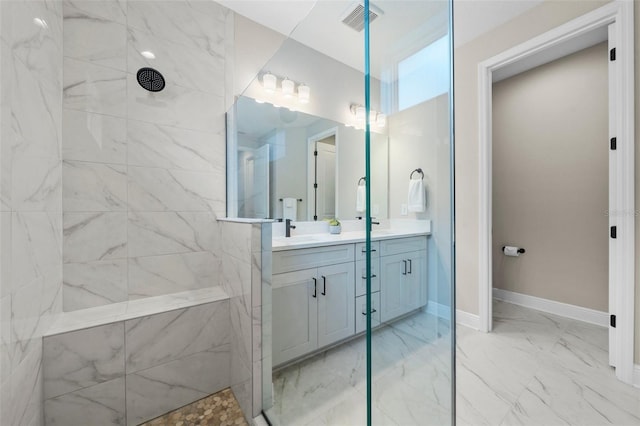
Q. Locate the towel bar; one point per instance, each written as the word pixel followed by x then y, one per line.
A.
pixel 418 170
pixel 299 199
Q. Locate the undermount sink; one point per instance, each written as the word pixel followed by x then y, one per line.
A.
pixel 298 238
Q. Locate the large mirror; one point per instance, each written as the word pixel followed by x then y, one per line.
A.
pixel 295 165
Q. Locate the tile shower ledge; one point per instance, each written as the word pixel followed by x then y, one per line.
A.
pixel 92 317
pixel 320 240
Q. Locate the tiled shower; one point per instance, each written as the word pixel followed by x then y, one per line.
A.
pixel 110 200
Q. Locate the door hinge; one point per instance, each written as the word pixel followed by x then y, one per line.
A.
pixel 315 217
pixel 315 153
pixel 614 232
pixel 612 54
pixel 315 185
pixel 614 144
pixel 612 321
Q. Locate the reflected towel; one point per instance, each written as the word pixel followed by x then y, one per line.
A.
pixel 290 208
pixel 417 198
pixel 361 199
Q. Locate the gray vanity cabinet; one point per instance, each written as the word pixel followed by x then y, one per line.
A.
pixel 403 269
pixel 336 300
pixel 312 307
pixel 319 292
pixel 295 312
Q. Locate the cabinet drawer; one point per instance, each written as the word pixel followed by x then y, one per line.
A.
pixel 361 274
pixel 361 253
pixel 361 309
pixel 402 245
pixel 295 260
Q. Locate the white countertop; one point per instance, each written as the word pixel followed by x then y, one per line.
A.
pixel 325 239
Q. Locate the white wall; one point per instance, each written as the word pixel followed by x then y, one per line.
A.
pixel 419 138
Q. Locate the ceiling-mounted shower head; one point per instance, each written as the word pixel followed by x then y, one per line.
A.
pixel 150 79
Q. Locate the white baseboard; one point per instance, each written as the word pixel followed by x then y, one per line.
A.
pixel 439 310
pixel 636 375
pixel 558 308
pixel 468 320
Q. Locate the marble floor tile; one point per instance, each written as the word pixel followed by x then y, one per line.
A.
pixel 533 369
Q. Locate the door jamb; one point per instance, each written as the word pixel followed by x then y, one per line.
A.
pixel 620 12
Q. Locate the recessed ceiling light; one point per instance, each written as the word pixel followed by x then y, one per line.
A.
pixel 148 54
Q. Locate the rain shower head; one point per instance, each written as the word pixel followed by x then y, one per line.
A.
pixel 150 79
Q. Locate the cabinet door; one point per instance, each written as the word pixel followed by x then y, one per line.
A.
pixel 336 300
pixel 415 283
pixel 361 276
pixel 393 270
pixel 295 313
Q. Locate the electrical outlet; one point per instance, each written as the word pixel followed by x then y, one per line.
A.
pixel 404 210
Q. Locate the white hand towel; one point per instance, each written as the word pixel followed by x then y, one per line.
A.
pixel 361 199
pixel 290 208
pixel 417 197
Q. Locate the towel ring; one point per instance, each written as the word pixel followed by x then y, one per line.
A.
pixel 361 180
pixel 418 170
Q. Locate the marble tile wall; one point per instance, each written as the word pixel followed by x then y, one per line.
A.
pixel 143 173
pixel 30 199
pixel 244 247
pixel 131 371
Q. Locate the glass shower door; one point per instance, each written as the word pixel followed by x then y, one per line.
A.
pixel 410 326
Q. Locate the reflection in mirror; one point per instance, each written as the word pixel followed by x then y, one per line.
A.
pixel 294 165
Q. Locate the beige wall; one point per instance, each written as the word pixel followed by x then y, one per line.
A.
pixel 550 180
pixel 538 20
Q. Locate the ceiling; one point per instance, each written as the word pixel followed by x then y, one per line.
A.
pixel 404 27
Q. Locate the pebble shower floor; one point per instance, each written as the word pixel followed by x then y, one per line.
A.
pixel 219 409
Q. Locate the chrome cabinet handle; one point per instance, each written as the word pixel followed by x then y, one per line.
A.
pixel 373 311
pixel 410 269
pixel 324 286
pixel 364 250
pixel 315 287
pixel 372 276
pixel 404 271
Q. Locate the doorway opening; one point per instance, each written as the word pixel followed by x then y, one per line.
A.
pixel 616 19
pixel 322 175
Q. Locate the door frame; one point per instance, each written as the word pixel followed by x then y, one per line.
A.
pixel 622 263
pixel 311 140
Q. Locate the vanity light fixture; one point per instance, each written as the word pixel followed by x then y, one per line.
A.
pixel 269 82
pixel 304 93
pixel 288 88
pixel 359 112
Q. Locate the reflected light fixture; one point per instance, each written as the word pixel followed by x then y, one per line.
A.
pixel 360 113
pixel 41 23
pixel 287 88
pixel 269 82
pixel 148 54
pixel 304 93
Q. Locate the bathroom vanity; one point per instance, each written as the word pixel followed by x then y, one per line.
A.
pixel 319 286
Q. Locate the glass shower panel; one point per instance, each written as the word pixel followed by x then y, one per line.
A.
pixel 412 338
